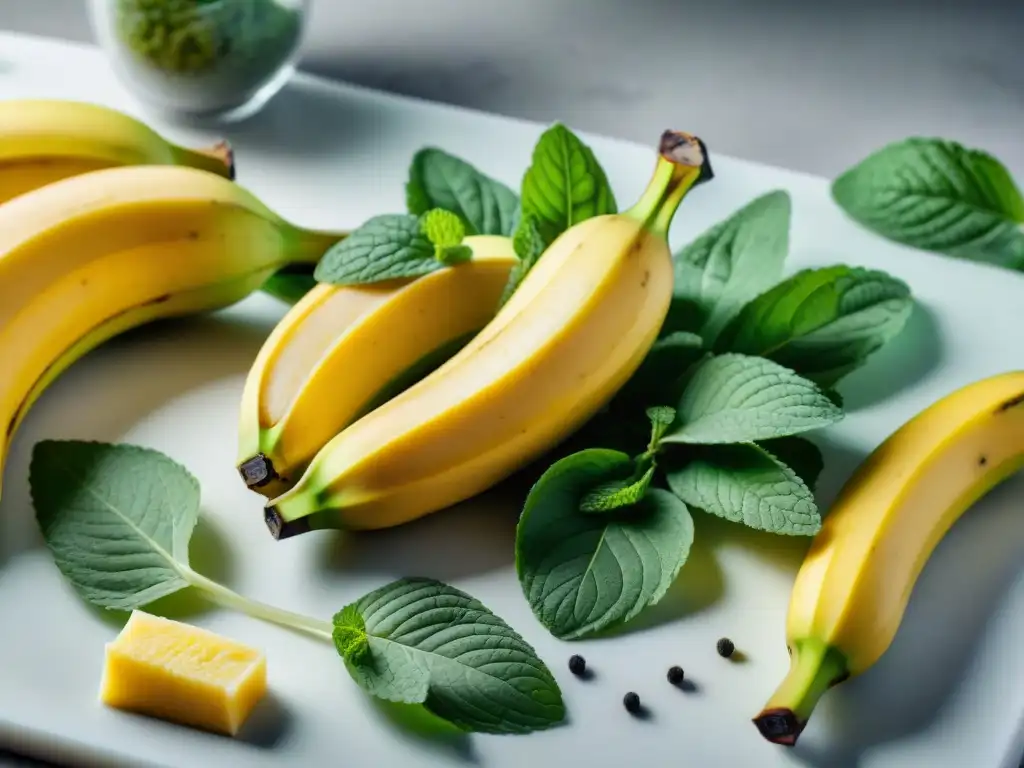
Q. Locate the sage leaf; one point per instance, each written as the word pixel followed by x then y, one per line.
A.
pixel 565 184
pixel 582 572
pixel 799 454
pixel 419 641
pixel 940 196
pixel 438 179
pixel 730 264
pixel 821 323
pixel 735 398
pixel 116 518
pixel 384 248
pixel 746 484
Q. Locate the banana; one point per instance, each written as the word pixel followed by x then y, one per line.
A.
pixel 45 140
pixel 856 579
pixel 343 350
pixel 91 256
pixel 572 333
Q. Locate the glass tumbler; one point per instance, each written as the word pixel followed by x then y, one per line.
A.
pixel 208 59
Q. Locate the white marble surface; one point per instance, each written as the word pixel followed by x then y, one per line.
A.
pixel 803 84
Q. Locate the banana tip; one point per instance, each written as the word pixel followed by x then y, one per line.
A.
pixel 780 726
pixel 688 150
pixel 283 529
pixel 226 152
pixel 257 471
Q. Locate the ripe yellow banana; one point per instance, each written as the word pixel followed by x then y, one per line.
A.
pixel 45 140
pixel 573 332
pixel 855 582
pixel 88 257
pixel 343 350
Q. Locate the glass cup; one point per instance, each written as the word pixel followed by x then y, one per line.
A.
pixel 207 59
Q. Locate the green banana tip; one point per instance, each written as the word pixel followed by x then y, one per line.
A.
pixel 685 149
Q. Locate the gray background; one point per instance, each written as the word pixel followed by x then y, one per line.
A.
pixel 807 85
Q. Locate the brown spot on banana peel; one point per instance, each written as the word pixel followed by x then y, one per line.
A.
pixel 1012 402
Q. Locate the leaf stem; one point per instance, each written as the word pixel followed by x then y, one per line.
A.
pixel 225 597
pixel 682 164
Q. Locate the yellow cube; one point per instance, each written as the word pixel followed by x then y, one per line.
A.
pixel 183 674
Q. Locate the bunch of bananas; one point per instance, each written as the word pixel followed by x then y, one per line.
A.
pixel 105 226
pixel 369 406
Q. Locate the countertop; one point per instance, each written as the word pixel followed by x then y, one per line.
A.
pixel 801 84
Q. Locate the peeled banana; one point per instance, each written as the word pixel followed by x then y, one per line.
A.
pixel 343 350
pixel 573 332
pixel 88 257
pixel 854 584
pixel 45 140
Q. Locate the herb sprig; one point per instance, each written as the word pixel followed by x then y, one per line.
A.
pixel 118 520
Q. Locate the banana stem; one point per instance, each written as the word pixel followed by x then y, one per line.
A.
pixel 219 159
pixel 257 610
pixel 683 163
pixel 309 245
pixel 814 668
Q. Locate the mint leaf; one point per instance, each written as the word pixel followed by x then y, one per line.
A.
pixel 429 643
pixel 528 245
pixel 659 376
pixel 584 572
pixel 116 518
pixel 442 228
pixel 564 184
pixel 290 284
pixel 384 248
pixel 730 264
pixel 440 180
pixel 821 323
pixel 349 635
pixel 735 398
pixel 746 484
pixel 799 454
pixel 939 196
pixel 616 494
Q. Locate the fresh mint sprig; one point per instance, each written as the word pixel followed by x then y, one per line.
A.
pixel 118 520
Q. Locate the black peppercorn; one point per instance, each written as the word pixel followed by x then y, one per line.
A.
pixel 725 647
pixel 577 664
pixel 675 675
pixel 631 702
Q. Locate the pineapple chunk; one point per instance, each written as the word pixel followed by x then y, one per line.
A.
pixel 183 674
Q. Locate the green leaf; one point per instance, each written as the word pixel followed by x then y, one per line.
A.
pixel 939 196
pixel 528 246
pixel 799 454
pixel 385 247
pixel 736 399
pixel 564 184
pixel 431 644
pixel 289 285
pixel 440 180
pixel 746 484
pixel 443 228
pixel 616 494
pixel 821 323
pixel 730 264
pixel 660 416
pixel 349 635
pixel 116 518
pixel 584 572
pixel 659 375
